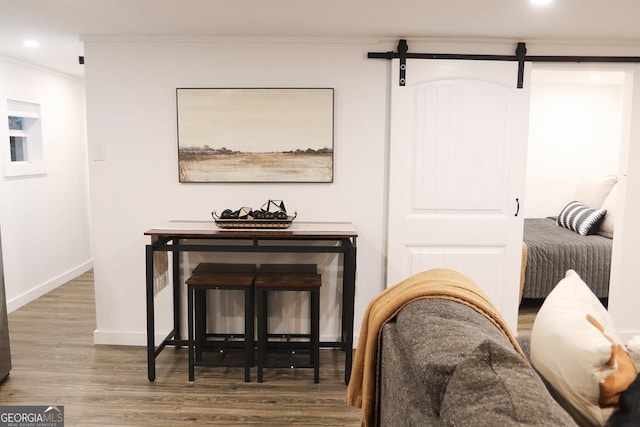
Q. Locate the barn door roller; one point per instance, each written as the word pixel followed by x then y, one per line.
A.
pixel 520 56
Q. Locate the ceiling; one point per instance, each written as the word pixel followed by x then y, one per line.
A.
pixel 59 25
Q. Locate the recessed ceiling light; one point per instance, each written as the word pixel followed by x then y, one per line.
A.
pixel 32 44
pixel 540 2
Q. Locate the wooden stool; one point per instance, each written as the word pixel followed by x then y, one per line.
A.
pixel 285 277
pixel 206 276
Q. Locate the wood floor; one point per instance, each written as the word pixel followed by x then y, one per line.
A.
pixel 56 363
pixel 527 314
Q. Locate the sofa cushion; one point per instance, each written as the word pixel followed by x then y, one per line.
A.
pixel 441 339
pixel 436 335
pixel 575 347
pixel 496 387
pixel 402 396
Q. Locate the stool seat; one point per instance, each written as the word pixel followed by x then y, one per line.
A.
pixel 221 280
pixel 219 267
pixel 217 276
pixel 288 277
pixel 288 280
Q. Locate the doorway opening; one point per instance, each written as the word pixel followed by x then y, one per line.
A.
pixel 578 126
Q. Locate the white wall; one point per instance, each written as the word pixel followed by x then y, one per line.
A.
pixel 132 119
pixel 575 131
pixel 624 292
pixel 45 218
pixel 131 112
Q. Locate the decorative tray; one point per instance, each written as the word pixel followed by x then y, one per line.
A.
pixel 251 222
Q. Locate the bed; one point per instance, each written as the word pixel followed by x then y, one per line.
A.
pixel 550 250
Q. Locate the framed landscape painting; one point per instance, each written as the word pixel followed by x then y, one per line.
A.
pixel 255 134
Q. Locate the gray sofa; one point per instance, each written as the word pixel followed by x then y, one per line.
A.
pixel 443 363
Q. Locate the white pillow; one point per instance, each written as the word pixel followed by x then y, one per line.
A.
pixel 609 204
pixel 576 349
pixel 592 190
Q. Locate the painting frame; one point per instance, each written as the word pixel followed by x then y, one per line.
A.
pixel 257 135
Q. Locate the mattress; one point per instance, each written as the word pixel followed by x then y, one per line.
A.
pixel 552 250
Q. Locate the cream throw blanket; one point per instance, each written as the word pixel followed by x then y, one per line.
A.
pixel 523 267
pixel 363 389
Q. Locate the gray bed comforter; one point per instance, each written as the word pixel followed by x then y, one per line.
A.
pixel 552 250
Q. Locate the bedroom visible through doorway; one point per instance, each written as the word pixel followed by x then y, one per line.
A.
pixel 579 126
pixel 575 129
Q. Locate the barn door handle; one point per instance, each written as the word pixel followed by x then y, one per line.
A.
pixel 517 206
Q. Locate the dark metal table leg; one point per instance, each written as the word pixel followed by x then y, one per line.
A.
pixel 315 333
pixel 151 347
pixel 190 339
pixel 177 287
pixel 349 301
pixel 249 333
pixel 261 302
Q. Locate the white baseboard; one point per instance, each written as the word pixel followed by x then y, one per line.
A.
pixel 43 288
pixel 123 338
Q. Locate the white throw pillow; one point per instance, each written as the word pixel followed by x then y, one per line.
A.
pixel 576 349
pixel 592 190
pixel 609 204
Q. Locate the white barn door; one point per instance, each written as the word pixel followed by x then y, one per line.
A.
pixel 457 174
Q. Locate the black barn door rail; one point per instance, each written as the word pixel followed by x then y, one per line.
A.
pixel 520 56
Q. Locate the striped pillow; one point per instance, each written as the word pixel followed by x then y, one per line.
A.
pixel 580 218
